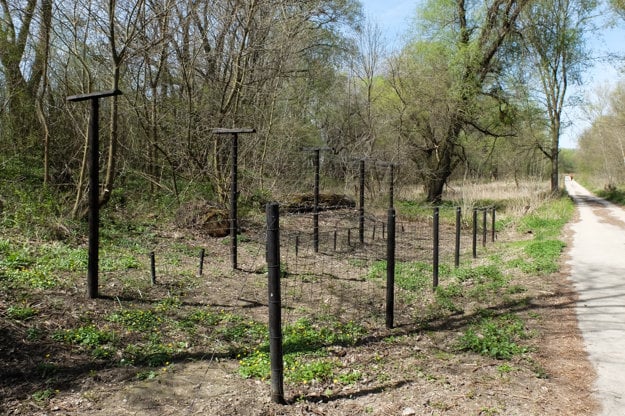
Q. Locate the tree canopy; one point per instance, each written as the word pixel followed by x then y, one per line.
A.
pixel 459 98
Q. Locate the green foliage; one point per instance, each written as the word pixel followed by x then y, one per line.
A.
pixel 505 368
pixel 411 276
pixel 39 267
pixel 153 353
pixel 304 336
pixel 111 261
pixel 544 255
pixel 320 369
pixel 202 317
pixel 547 221
pixel 613 194
pixel 480 274
pixel 305 354
pixel 349 378
pixel 61 257
pixel 140 320
pixel 541 254
pixel 445 296
pixel 43 395
pixel 413 210
pixel 496 337
pixel 236 329
pixel 87 336
pixel 170 303
pixel 146 375
pixel 21 313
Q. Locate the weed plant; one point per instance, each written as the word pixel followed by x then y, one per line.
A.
pixel 496 337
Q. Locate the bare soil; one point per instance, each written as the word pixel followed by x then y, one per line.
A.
pixel 412 369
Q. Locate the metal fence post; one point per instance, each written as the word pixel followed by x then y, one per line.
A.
pixel 275 307
pixel 474 244
pixel 390 269
pixel 317 162
pixel 234 192
pixel 361 207
pixel 153 267
pixel 458 228
pixel 201 267
pixel 484 227
pixel 435 242
pixel 391 190
pixel 94 186
pixel 493 226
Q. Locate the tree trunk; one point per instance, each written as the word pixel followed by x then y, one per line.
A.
pixel 435 184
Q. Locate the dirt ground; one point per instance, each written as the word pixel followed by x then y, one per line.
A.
pixel 413 369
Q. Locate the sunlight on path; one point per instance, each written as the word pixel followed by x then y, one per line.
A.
pixel 597 260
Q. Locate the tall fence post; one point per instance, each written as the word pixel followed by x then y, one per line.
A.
pixel 484 227
pixel 234 191
pixel 390 270
pixel 275 307
pixel 458 229
pixel 234 197
pixel 435 241
pixel 361 205
pixel 492 228
pixel 474 244
pixel 317 162
pixel 391 187
pixel 94 186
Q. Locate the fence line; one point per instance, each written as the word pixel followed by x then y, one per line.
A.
pixel 329 272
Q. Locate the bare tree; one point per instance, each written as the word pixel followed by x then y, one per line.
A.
pixel 554 33
pixel 23 69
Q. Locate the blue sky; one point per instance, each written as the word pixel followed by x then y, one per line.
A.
pixel 395 18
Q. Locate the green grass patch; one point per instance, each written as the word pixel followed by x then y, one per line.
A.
pixel 446 297
pixel 305 353
pixel 411 276
pixel 21 313
pixel 496 337
pixel 153 353
pixel 140 320
pixel 547 221
pixel 99 342
pixel 612 194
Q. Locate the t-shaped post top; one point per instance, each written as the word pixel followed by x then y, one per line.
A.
pixel 232 131
pixel 93 95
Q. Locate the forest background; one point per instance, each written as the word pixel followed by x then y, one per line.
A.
pixel 476 91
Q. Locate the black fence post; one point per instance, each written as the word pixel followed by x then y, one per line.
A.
pixel 391 187
pixel 317 162
pixel 94 186
pixel 458 228
pixel 474 244
pixel 275 307
pixel 390 270
pixel 297 246
pixel 201 267
pixel 484 227
pixel 234 197
pixel 153 267
pixel 361 207
pixel 234 192
pixel 435 241
pixel 492 228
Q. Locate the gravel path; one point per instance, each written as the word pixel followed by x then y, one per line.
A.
pixel 597 261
